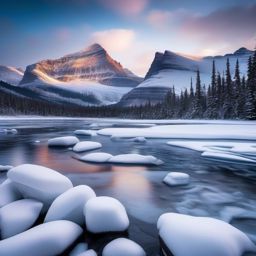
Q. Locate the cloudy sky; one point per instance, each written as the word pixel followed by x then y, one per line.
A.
pixel 130 30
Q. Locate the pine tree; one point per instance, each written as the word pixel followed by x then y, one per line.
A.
pixel 197 111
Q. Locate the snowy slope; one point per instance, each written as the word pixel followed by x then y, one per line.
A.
pixel 169 68
pixel 10 75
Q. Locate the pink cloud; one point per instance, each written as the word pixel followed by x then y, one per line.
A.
pixel 126 7
pixel 158 18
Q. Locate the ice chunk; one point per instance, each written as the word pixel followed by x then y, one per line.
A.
pixel 4 168
pixel 18 216
pixel 8 193
pixel 47 239
pixel 105 214
pixel 88 253
pixel 139 139
pixel 79 249
pixel 63 141
pixel 176 178
pixel 38 182
pixel 99 157
pixel 225 156
pixel 86 145
pixel 70 204
pixel 124 247
pixel 85 132
pixel 135 159
pixel 187 235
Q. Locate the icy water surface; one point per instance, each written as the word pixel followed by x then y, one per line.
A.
pixel 221 190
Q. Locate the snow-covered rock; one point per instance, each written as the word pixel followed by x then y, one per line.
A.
pixel 105 214
pixel 139 139
pixel 187 235
pixel 8 193
pixel 85 132
pixel 18 216
pixel 88 253
pixel 65 141
pixel 4 168
pixel 225 156
pixel 124 247
pixel 176 178
pixel 86 146
pixel 70 204
pixel 79 249
pixel 135 159
pixel 38 182
pixel 98 157
pixel 47 239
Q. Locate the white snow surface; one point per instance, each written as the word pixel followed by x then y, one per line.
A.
pixel 38 182
pixel 176 178
pixel 135 159
pixel 18 216
pixel 70 205
pixel 63 141
pixel 187 235
pixel 4 168
pixel 47 239
pixel 190 131
pixel 79 249
pixel 105 214
pixel 124 247
pixel 85 132
pixel 86 146
pixel 98 157
pixel 10 75
pixel 88 253
pixel 8 193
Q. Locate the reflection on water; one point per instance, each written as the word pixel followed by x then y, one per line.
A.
pixel 220 190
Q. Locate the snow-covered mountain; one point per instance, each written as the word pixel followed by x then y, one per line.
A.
pixel 10 75
pixel 90 72
pixel 169 68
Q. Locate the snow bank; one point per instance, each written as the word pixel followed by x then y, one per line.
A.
pixel 47 239
pixel 135 159
pixel 18 216
pixel 105 214
pixel 226 157
pixel 8 193
pixel 63 141
pixel 190 131
pixel 186 235
pixel 176 178
pixel 38 182
pixel 5 168
pixel 99 157
pixel 70 204
pixel 86 146
pixel 124 247
pixel 88 253
pixel 85 132
pixel 79 249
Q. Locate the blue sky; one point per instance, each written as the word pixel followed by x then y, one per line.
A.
pixel 131 30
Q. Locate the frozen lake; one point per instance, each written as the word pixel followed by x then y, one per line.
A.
pixel 223 190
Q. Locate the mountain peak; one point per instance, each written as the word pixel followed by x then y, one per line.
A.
pixel 242 50
pixel 94 48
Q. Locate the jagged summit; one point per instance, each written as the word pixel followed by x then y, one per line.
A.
pixel 242 51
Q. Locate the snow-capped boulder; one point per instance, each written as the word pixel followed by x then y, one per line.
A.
pixel 105 214
pixel 85 132
pixel 187 235
pixel 135 159
pixel 38 182
pixel 124 247
pixel 66 141
pixel 88 253
pixel 176 178
pixel 86 146
pixel 98 157
pixel 18 216
pixel 70 204
pixel 8 193
pixel 79 249
pixel 139 139
pixel 5 168
pixel 47 239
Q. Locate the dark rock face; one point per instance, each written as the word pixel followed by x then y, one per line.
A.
pixel 93 63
